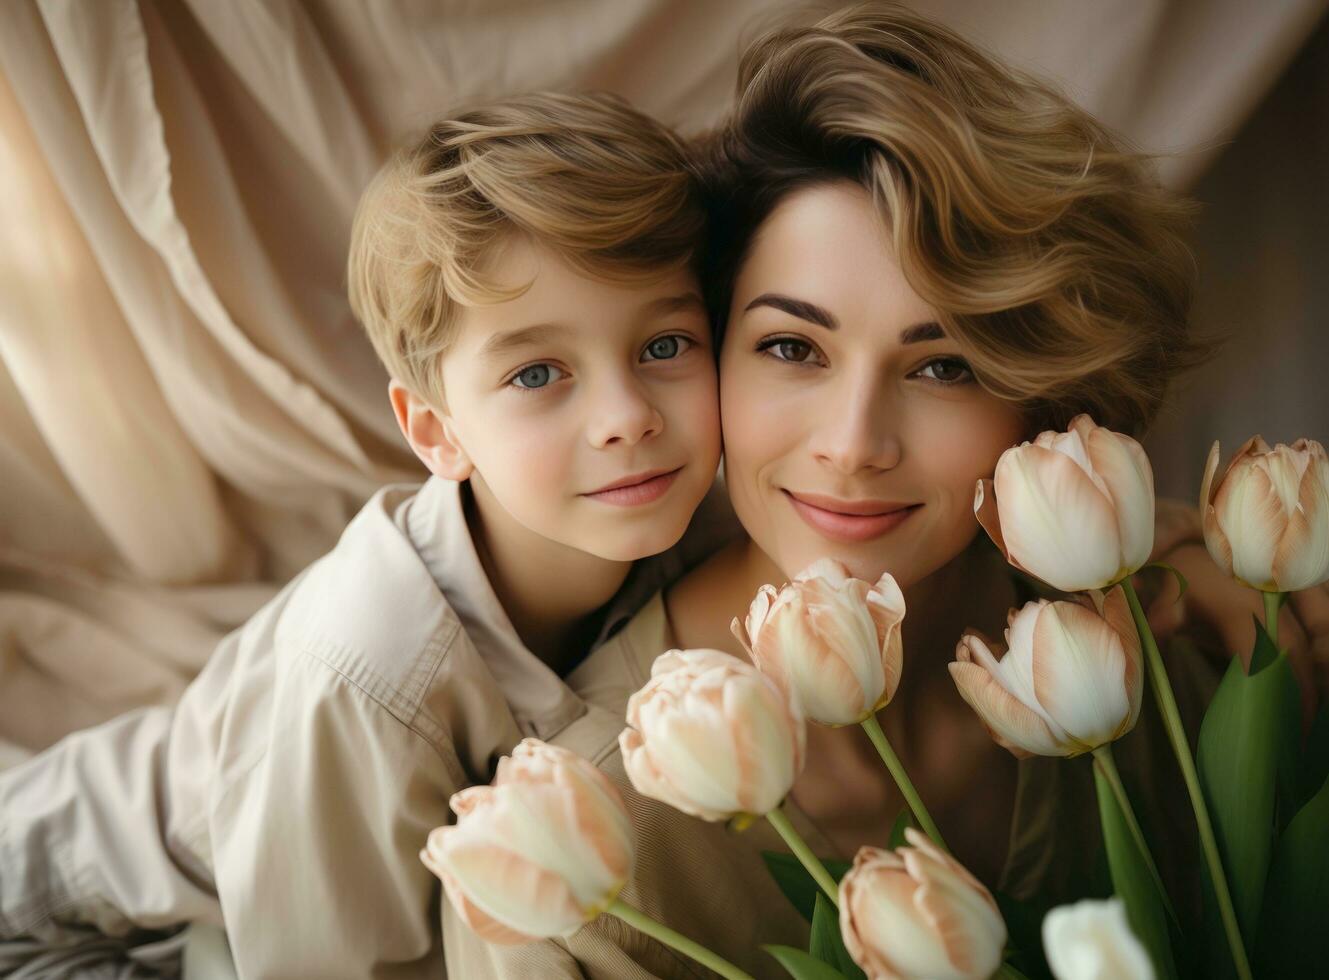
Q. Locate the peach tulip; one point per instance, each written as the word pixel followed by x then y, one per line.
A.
pixel 1266 520
pixel 712 736
pixel 542 850
pixel 1070 679
pixel 916 912
pixel 1073 508
pixel 1091 940
pixel 830 640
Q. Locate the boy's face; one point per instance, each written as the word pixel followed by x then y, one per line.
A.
pixel 579 385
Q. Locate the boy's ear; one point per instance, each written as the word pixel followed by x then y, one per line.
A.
pixel 430 433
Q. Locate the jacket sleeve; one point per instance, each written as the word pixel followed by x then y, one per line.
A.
pixel 317 842
pixel 88 837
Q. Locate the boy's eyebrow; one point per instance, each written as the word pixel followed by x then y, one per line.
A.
pixel 510 340
pixel 811 312
pixel 674 304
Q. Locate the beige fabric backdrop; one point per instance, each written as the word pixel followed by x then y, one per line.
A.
pixel 189 412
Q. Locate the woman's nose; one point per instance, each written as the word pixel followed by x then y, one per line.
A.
pixel 622 413
pixel 858 429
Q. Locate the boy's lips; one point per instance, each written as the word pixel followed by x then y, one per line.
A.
pixel 849 520
pixel 641 488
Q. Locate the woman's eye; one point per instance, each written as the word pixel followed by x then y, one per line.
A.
pixel 536 376
pixel 787 349
pixel 666 348
pixel 949 370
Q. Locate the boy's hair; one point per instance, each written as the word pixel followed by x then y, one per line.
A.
pixel 603 185
pixel 1049 249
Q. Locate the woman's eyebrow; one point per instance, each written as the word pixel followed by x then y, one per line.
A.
pixel 917 334
pixel 796 307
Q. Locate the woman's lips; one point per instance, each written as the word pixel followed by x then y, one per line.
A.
pixel 637 493
pixel 849 527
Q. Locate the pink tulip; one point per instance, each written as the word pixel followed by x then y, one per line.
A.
pixel 541 851
pixel 916 913
pixel 1266 520
pixel 712 736
pixel 1070 679
pixel 1074 508
pixel 830 640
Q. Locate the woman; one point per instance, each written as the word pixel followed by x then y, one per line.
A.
pixel 923 259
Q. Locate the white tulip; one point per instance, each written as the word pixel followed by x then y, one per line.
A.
pixel 1266 520
pixel 713 736
pixel 916 913
pixel 1071 678
pixel 1091 940
pixel 544 849
pixel 830 640
pixel 1073 508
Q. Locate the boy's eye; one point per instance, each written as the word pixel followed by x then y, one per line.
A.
pixel 536 376
pixel 666 348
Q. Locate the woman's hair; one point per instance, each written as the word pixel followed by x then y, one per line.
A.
pixel 1055 258
pixel 603 185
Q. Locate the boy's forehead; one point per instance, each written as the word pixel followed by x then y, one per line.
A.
pixel 556 295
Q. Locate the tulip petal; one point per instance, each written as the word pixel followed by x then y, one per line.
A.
pixel 1123 466
pixel 957 907
pixel 1092 939
pixel 1215 541
pixel 1117 612
pixel 1252 517
pixel 1056 522
pixel 1079 674
pixel 1302 558
pixel 985 509
pixel 494 879
pixel 1010 723
pixel 897 930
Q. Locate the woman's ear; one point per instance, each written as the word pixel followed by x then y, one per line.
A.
pixel 430 432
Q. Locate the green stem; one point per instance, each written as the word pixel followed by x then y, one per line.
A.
pixel 1008 972
pixel 804 853
pixel 1272 600
pixel 1167 705
pixel 1107 765
pixel 888 756
pixel 676 940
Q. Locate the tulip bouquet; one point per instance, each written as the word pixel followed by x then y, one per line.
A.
pixel 548 846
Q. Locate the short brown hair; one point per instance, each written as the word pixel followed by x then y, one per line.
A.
pixel 1053 255
pixel 602 184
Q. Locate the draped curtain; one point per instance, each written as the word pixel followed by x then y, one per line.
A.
pixel 189 413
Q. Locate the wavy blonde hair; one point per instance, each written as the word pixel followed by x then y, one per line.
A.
pixel 1055 258
pixel 603 185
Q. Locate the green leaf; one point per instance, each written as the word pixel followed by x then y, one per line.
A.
pixel 801 965
pixel 1145 906
pixel 827 944
pixel 1314 757
pixel 1294 941
pixel 903 819
pixel 1176 573
pixel 1246 761
pixel 799 886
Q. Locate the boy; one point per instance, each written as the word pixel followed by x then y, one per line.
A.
pixel 525 273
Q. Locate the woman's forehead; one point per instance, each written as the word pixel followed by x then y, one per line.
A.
pixel 827 246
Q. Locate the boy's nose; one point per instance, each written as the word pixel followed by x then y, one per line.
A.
pixel 622 415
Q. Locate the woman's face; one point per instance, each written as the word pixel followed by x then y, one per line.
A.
pixel 853 427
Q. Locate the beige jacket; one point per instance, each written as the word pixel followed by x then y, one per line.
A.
pixel 289 792
pixel 712 884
